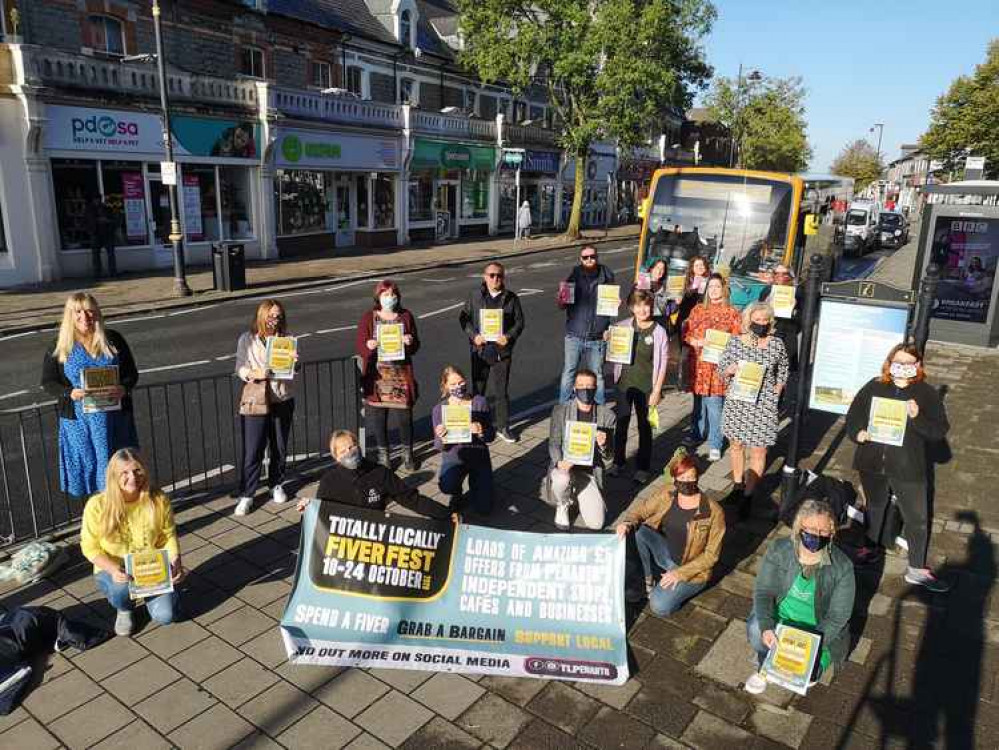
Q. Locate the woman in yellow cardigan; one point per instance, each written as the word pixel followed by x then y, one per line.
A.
pixel 129 516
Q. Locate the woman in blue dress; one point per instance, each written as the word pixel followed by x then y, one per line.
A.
pixel 89 433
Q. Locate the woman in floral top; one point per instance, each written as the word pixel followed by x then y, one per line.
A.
pixel 714 313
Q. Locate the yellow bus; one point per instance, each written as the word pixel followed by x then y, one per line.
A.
pixel 742 221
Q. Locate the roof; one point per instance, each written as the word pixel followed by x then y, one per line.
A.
pixel 351 16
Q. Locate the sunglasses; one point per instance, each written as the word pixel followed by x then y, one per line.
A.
pixel 588 257
pixel 494 276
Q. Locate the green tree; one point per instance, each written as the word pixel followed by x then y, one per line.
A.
pixel 610 68
pixel 766 117
pixel 966 118
pixel 860 161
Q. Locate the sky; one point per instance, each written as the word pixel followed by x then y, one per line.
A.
pixel 862 61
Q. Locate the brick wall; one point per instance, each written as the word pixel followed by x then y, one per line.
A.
pixel 382 87
pixel 290 67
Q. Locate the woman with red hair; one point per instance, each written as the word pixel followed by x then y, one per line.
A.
pixel 678 532
pixel 388 386
pixel 891 471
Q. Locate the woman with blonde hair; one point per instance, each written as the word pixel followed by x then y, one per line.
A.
pixel 130 516
pixel 749 416
pixel 97 420
pixel 464 457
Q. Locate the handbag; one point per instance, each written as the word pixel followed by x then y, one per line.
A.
pixel 254 400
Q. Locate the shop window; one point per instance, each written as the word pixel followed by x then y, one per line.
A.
pixel 76 186
pixel 321 74
pixel 406 28
pixel 107 35
pixel 421 198
pixel 519 112
pixel 475 195
pixel 549 118
pixel 301 201
pixel 362 200
pixel 125 195
pixel 384 202
pixel 470 101
pixel 407 88
pixel 355 83
pixel 251 62
pixel 234 190
pixel 199 198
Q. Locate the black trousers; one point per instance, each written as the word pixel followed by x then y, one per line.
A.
pixel 633 397
pixel 376 423
pixel 493 382
pixel 271 432
pixel 911 503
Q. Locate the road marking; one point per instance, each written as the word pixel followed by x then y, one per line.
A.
pixel 26 333
pixel 191 310
pixel 438 281
pixel 176 367
pixel 14 394
pixel 223 469
pixel 227 356
pixel 442 310
pixel 298 294
pixel 529 292
pixel 620 250
pixel 302 335
pixel 135 320
pixel 546 264
pixel 336 330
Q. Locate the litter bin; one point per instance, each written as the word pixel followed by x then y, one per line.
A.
pixel 228 267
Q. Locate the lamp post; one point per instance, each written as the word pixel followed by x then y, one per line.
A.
pixel 881 131
pixel 753 76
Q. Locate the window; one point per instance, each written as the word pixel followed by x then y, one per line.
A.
pixel 301 201
pixel 234 189
pixel 107 35
pixel 421 197
pixel 355 80
pixel 470 101
pixel 406 28
pixel 200 203
pixel 252 62
pixel 321 74
pixel 76 187
pixel 406 91
pixel 519 112
pixel 475 195
pixel 549 118
pixel 125 196
pixel 362 200
pixel 384 202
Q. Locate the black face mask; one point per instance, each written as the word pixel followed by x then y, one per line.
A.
pixel 759 329
pixel 687 488
pixel 813 542
pixel 586 395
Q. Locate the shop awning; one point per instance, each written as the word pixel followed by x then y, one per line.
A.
pixel 428 154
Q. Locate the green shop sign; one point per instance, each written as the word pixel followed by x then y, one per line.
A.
pixel 293 149
pixel 428 154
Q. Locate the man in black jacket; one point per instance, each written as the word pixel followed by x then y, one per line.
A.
pixel 354 480
pixel 584 329
pixel 492 356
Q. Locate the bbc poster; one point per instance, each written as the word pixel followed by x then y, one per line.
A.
pixel 400 592
pixel 967 251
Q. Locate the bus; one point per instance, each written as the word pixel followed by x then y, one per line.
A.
pixel 742 221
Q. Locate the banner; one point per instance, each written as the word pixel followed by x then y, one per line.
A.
pixel 399 592
pixel 967 251
pixel 192 207
pixel 134 199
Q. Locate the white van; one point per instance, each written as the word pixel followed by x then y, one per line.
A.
pixel 860 225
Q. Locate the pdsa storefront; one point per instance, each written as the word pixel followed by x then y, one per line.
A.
pixel 334 190
pixel 449 186
pixel 114 156
pixel 538 186
pixel 598 191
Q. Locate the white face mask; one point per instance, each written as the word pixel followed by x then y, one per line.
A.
pixel 388 302
pixel 903 371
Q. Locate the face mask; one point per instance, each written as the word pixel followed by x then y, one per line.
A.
pixel 351 459
pixel 759 329
pixel 686 488
pixel 586 395
pixel 903 371
pixel 388 302
pixel 814 542
pixel 459 391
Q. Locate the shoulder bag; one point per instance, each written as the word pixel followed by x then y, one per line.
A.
pixel 254 400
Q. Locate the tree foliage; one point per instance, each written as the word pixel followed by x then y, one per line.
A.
pixel 767 120
pixel 610 68
pixel 860 161
pixel 966 118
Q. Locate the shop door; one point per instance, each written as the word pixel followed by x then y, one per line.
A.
pixel 345 220
pixel 447 201
pixel 159 216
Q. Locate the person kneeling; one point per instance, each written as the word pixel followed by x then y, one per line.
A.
pixel 807 582
pixel 569 481
pixel 679 534
pixel 129 516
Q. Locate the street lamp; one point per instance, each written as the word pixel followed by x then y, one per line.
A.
pixel 754 76
pixel 881 131
pixel 180 287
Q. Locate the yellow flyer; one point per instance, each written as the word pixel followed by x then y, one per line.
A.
pixel 620 345
pixel 715 342
pixel 390 344
pixel 96 379
pixel 747 382
pixel 579 443
pixel 674 286
pixel 782 300
pixel 150 573
pixel 608 299
pixel 281 352
pixel 491 323
pixel 457 419
pixel 887 421
pixel 791 661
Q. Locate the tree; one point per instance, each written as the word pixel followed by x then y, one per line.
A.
pixel 610 68
pixel 860 161
pixel 767 121
pixel 965 120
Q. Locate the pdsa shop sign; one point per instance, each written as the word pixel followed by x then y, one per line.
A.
pixel 87 129
pixel 376 590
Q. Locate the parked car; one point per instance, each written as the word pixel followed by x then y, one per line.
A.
pixel 893 230
pixel 861 222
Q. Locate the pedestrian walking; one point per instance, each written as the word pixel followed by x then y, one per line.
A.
pixel 584 329
pixel 492 350
pixel 94 420
pixel 102 223
pixel 572 483
pixel 805 581
pixel 639 384
pixel 714 314
pixel 267 407
pixel 129 516
pixel 750 413
pixel 464 455
pixel 524 221
pixel 388 382
pixel 897 476
pixel 678 533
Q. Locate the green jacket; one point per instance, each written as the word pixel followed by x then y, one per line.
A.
pixel 834 590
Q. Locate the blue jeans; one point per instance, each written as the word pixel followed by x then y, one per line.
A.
pixel 161 608
pixel 582 353
pixel 697 419
pixel 655 557
pixel 475 465
pixel 711 419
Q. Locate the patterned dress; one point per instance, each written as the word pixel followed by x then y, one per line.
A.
pixel 87 442
pixel 755 424
pixel 705 378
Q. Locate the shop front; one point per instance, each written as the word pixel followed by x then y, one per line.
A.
pixel 335 190
pixel 538 186
pixel 598 189
pixel 449 190
pixel 113 157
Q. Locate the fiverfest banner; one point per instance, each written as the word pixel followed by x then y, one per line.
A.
pixel 380 590
pixel 325 150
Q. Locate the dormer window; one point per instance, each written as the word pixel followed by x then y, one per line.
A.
pixel 406 28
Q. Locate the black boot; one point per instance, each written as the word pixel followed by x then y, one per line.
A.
pixel 735 496
pixel 745 506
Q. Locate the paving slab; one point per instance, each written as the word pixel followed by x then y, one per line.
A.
pixel 447 694
pixel 205 658
pixel 563 706
pixel 786 726
pixel 494 720
pixel 616 730
pixel 393 718
pixel 91 723
pixel 140 680
pixel 136 736
pixel 236 684
pixel 441 735
pixel 61 695
pixel 277 708
pixel 218 727
pixel 319 729
pixel 351 692
pixel 29 734
pixel 174 705
pixel 707 731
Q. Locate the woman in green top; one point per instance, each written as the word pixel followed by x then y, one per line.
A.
pixel 804 581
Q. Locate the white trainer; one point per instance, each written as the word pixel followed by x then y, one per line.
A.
pixel 123 623
pixel 243 506
pixel 714 455
pixel 562 517
pixel 278 495
pixel 756 683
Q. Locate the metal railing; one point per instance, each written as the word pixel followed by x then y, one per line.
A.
pixel 190 432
